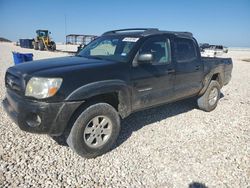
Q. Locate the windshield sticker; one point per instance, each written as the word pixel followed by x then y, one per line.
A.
pixel 130 39
pixel 123 54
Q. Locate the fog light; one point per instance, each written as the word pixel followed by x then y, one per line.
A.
pixel 33 120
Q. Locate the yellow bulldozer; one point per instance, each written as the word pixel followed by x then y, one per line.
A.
pixel 43 41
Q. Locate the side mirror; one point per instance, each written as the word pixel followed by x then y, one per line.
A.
pixel 145 58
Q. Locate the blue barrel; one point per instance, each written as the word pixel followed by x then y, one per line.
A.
pixel 20 58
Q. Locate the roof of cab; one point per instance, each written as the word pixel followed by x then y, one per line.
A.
pixel 146 32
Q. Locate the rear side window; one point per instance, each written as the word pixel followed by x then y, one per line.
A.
pixel 184 50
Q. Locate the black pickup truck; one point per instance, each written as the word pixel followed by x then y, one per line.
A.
pixel 83 98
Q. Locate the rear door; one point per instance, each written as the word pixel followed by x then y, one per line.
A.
pixel 188 67
pixel 153 83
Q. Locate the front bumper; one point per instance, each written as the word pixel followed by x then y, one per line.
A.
pixel 39 117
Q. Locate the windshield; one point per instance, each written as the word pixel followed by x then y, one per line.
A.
pixel 42 33
pixel 115 48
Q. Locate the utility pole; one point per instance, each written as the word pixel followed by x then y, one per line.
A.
pixel 65 24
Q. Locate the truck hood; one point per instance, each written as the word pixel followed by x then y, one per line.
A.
pixel 41 65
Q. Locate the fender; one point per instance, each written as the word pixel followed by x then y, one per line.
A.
pixel 102 87
pixel 208 78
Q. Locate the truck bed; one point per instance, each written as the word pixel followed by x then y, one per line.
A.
pixel 223 66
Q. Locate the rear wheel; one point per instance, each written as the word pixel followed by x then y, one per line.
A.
pixel 53 46
pixel 95 130
pixel 208 101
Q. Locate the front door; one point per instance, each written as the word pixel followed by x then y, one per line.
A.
pixel 153 82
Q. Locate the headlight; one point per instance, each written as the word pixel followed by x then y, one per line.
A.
pixel 42 87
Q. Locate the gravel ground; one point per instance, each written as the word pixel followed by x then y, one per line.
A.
pixel 170 146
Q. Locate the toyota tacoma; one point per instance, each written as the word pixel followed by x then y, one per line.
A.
pixel 83 98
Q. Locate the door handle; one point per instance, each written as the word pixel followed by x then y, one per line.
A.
pixel 197 67
pixel 170 71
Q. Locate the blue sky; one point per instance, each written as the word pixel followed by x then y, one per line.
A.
pixel 224 22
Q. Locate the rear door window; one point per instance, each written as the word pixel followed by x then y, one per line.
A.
pixel 184 50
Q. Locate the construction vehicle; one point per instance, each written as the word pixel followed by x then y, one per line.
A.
pixel 43 41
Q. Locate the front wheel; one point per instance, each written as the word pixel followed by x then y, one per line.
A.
pixel 41 46
pixel 95 130
pixel 209 100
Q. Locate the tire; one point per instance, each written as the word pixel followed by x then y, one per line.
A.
pixel 53 46
pixel 35 45
pixel 41 46
pixel 209 100
pixel 90 126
